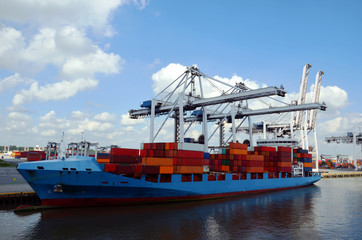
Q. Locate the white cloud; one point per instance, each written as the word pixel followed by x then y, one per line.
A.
pixel 340 125
pixel 104 117
pixel 67 48
pixel 77 58
pixel 48 133
pixel 48 117
pixel 53 36
pixel 125 120
pixel 82 13
pixel 56 91
pixel 13 81
pixel 11 42
pixel 18 116
pixel 335 97
pixel 98 128
pixel 92 63
pixel 166 75
pixel 78 115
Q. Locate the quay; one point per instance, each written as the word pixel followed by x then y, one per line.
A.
pixel 18 198
pixel 341 174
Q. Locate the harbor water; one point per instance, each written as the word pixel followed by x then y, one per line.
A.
pixel 329 209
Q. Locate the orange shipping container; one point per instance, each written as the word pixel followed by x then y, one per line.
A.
pixel 166 169
pixel 238 151
pixel 157 161
pixel 254 169
pixel 238 146
pixel 103 160
pixel 225 168
pixel 255 157
pixel 189 169
pixel 284 164
pixel 308 164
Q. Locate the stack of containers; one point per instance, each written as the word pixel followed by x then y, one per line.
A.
pixel 168 158
pixel 23 154
pixel 254 163
pixel 284 159
pixel 16 154
pixel 306 158
pixel 237 155
pixel 230 159
pixel 157 158
pixel 270 158
pixel 103 157
pixel 215 162
pixel 121 161
pixel 301 155
pixel 36 156
pixel 190 158
pixel 124 155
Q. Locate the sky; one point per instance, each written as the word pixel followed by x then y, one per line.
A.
pixel 79 67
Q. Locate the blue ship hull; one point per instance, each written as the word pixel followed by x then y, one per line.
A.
pixel 80 181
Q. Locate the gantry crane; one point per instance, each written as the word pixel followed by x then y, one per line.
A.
pixel 286 127
pixel 354 136
pixel 186 103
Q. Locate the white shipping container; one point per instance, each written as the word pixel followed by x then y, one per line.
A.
pixel 191 146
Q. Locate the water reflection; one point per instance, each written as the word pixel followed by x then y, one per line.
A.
pixel 284 214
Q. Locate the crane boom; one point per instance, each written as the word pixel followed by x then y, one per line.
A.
pixel 192 104
pixel 241 114
pixel 302 93
pixel 316 94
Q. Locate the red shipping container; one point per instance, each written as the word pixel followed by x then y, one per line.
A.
pixel 284 164
pixel 284 159
pixel 124 159
pixel 306 155
pixel 110 168
pixel 206 162
pixel 34 156
pixel 254 169
pixel 138 168
pixel 151 169
pixel 124 151
pixel 284 154
pixel 284 169
pixel 143 153
pixel 190 154
pixel 125 169
pixel 284 149
pixel 212 167
pixel 190 162
pixel 254 164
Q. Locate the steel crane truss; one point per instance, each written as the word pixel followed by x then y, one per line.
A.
pixel 192 103
pixel 183 98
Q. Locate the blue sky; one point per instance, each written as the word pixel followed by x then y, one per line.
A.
pixel 81 67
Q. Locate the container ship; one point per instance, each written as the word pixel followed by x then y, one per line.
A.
pixel 183 169
pixel 165 172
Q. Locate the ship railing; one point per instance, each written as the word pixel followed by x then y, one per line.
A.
pixel 82 148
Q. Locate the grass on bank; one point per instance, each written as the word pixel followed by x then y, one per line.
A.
pixel 6 164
